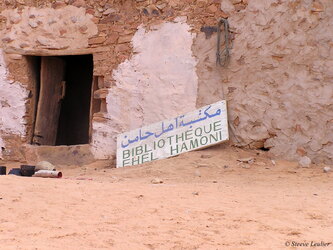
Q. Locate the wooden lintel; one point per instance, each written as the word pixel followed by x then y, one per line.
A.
pixel 49 52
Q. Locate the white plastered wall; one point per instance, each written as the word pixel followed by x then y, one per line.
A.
pixel 12 106
pixel 159 81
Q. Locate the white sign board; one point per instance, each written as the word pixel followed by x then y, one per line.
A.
pixel 194 130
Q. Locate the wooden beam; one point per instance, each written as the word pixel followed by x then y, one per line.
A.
pixel 48 52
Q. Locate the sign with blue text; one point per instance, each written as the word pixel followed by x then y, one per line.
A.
pixel 194 130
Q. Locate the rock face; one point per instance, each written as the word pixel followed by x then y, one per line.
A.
pixel 156 61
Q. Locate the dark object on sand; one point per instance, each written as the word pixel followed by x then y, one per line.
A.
pixel 15 171
pixel 3 170
pixel 27 170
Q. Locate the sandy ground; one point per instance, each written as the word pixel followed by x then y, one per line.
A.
pixel 207 201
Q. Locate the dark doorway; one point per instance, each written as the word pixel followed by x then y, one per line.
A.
pixel 75 107
pixel 63 109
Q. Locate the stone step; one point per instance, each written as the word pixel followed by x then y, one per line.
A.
pixel 60 155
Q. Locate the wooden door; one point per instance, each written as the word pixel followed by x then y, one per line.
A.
pixel 51 92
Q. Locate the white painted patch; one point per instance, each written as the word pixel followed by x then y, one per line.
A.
pixel 12 105
pixel 197 129
pixel 162 72
pixel 157 83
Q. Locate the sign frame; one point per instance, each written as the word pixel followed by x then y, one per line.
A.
pixel 194 130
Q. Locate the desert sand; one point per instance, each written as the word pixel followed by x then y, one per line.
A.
pixel 208 200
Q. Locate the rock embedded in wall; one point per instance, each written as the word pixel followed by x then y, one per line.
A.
pixel 227 7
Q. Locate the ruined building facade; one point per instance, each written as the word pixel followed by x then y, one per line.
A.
pixel 113 66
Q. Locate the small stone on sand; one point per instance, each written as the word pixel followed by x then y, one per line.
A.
pixel 327 169
pixel 156 181
pixel 304 162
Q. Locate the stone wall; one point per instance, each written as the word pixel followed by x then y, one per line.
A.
pixel 116 33
pixel 66 28
pixel 280 80
pixel 153 62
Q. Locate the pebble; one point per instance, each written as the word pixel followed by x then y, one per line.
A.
pixel 249 160
pixel 206 156
pixel 156 181
pixel 197 173
pixel 304 162
pixel 195 193
pixel 202 165
pixel 327 169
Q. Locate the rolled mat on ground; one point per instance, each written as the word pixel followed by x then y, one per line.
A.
pixel 48 174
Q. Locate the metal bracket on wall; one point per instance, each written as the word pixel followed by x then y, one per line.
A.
pixel 222 57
